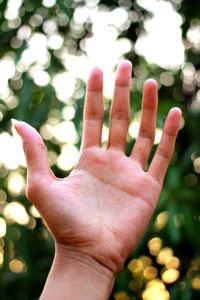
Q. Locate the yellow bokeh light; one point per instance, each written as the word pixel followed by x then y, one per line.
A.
pixel 139 265
pixel 1 258
pixel 136 266
pixel 15 212
pixel 196 164
pixel 16 266
pixel 154 294
pixel 146 260
pixel 2 227
pixel 136 284
pixel 155 244
pixel 164 255
pixel 196 282
pixel 155 290
pixel 150 273
pixel 121 296
pixel 161 220
pixel 170 275
pixel 173 262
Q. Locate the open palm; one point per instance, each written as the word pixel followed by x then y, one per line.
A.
pixel 103 206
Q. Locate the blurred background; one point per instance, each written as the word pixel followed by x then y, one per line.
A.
pixel 47 48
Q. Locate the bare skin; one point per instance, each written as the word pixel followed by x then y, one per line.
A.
pixel 97 214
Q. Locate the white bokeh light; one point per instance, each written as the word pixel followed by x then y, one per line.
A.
pixel 15 212
pixel 162 43
pixel 12 159
pixel 68 157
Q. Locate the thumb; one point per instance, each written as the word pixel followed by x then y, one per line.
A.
pixel 34 149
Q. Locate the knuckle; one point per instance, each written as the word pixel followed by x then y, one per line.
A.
pixel 95 116
pixel 120 114
pixel 146 134
pixel 166 154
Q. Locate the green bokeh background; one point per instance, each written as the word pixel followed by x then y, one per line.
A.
pixel 176 221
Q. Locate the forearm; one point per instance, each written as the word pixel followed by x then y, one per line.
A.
pixel 77 276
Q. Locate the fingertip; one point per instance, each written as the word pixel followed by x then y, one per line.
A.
pixel 124 73
pixel 96 70
pixel 151 83
pixel 176 111
pixel 95 79
pixel 125 63
pixel 16 125
pixel 125 66
pixel 175 114
pixel 27 133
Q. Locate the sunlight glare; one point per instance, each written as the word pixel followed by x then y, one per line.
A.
pixel 164 46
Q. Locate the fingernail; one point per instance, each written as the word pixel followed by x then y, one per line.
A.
pixel 14 121
pixel 14 124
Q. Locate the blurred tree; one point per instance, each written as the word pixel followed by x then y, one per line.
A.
pixel 43 66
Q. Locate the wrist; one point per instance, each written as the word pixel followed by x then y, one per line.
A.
pixel 78 276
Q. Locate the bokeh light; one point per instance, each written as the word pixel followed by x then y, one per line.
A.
pixel 16 212
pixel 169 51
pixel 155 290
pixel 2 227
pixel 16 266
pixel 47 51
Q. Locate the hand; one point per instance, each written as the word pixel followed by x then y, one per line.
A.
pixel 101 209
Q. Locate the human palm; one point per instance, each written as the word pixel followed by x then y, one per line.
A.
pixel 103 206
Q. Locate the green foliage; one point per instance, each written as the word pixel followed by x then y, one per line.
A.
pixel 26 250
